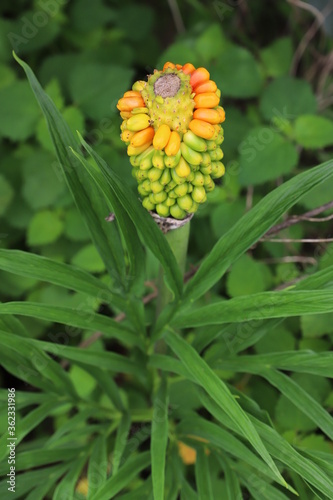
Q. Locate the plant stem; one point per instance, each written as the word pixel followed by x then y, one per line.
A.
pixel 178 241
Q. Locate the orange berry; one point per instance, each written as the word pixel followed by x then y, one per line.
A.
pixel 209 86
pixel 199 76
pixel 179 66
pixel 221 112
pixel 207 100
pixel 132 93
pixel 129 103
pixel 127 135
pixel 142 137
pixel 131 150
pixel 168 65
pixel 187 454
pixel 172 148
pixel 207 115
pixel 162 137
pixel 188 68
pixel 125 114
pixel 202 129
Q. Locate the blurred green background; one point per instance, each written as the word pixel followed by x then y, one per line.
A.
pixel 273 63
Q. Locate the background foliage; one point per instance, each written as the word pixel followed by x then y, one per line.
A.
pixel 279 124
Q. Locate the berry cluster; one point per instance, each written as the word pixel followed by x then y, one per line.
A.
pixel 172 129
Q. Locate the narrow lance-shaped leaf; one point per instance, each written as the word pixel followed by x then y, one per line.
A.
pixel 277 446
pixel 121 442
pixel 252 226
pixel 202 476
pixel 98 465
pixel 128 229
pixel 237 339
pixel 300 398
pixel 104 235
pixel 66 487
pixel 77 318
pixel 206 378
pixel 296 361
pixel 258 306
pixel 159 439
pixel 151 234
pixel 58 273
pixel 114 484
pixel 31 351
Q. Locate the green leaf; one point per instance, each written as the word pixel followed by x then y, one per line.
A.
pixel 202 476
pixel 73 117
pixel 277 57
pixel 210 43
pixel 121 442
pixel 45 227
pixel 224 440
pixel 207 379
pixel 66 487
pixel 265 155
pixel 75 229
pixel 286 98
pixel 51 271
pixel 20 111
pixel 42 185
pixel 97 467
pixel 128 229
pixel 259 489
pixel 252 226
pixel 307 393
pixel 143 221
pixel 38 457
pixel 257 307
pixel 315 325
pixel 134 465
pixel 297 361
pixel 231 479
pixel 25 482
pixel 313 131
pixel 73 317
pixel 244 80
pixel 6 194
pixel 277 446
pixel 159 439
pixel 225 216
pixel 106 238
pixel 103 84
pixel 247 276
pixel 101 359
pixel 28 423
pixel 89 259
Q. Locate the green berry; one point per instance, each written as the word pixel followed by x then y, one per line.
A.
pixel 185 202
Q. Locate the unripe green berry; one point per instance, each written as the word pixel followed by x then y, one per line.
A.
pixel 141 175
pixel 206 170
pixel 162 210
pixel 160 197
pixel 209 187
pixel 198 180
pixel 142 191
pixel 166 177
pixel 185 202
pixel 154 174
pixel 169 201
pixel 199 194
pixel 211 145
pixel 181 190
pixel 193 208
pixel 156 187
pixel 177 212
pixel 172 194
pixel 146 185
pixel 148 204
